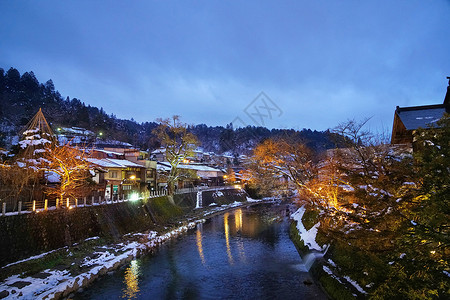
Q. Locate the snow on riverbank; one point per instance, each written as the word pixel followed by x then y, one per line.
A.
pixel 308 236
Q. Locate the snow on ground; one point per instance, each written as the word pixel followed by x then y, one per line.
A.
pixel 252 200
pixel 308 236
pixel 218 194
pixel 329 272
pixel 31 258
pixel 37 287
pixel 355 284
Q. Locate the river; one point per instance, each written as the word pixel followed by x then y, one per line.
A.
pixel 245 253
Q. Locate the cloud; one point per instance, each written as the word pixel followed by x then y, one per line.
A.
pixel 323 62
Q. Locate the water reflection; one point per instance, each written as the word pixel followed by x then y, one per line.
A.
pixel 259 262
pixel 199 243
pixel 239 242
pixel 227 237
pixel 238 219
pixel 131 281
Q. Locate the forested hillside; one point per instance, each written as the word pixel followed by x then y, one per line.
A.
pixel 21 95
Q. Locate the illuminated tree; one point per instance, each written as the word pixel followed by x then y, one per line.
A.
pixel 21 177
pixel 71 169
pixel 179 144
pixel 378 202
pixel 368 178
pixel 279 163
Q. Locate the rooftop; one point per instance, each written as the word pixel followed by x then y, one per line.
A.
pixel 420 116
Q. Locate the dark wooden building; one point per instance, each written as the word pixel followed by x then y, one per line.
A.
pixel 408 119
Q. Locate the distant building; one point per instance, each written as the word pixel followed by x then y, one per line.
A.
pixel 195 175
pixel 75 136
pixel 409 119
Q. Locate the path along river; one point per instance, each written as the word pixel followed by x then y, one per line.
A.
pixel 245 253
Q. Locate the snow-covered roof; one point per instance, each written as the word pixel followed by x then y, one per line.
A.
pixel 113 142
pixel 103 163
pixel 108 152
pixel 124 163
pixel 157 151
pixel 198 168
pixel 162 167
pixel 77 130
pixel 114 163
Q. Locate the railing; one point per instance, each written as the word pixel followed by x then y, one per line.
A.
pixel 206 188
pixel 38 206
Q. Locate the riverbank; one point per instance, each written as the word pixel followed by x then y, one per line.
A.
pixel 329 264
pixel 58 273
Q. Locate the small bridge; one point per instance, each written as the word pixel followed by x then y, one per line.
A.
pixel 207 188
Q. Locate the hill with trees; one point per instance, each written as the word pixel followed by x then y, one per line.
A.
pixel 21 96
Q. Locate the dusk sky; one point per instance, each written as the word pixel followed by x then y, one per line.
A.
pixel 320 62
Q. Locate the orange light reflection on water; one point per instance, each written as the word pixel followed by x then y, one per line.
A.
pixel 199 243
pixel 131 281
pixel 238 219
pixel 227 237
pixel 238 223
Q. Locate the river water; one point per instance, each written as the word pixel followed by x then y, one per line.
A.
pixel 245 253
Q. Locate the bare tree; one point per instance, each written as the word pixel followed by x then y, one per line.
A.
pixel 15 181
pixel 179 144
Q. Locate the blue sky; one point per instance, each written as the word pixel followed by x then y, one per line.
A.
pixel 320 62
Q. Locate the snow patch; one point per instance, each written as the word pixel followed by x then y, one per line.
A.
pixel 355 284
pixel 308 236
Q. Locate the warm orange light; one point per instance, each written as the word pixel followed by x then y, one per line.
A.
pixel 227 238
pixel 131 280
pixel 199 245
pixel 133 177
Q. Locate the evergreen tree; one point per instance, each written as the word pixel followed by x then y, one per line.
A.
pixel 423 271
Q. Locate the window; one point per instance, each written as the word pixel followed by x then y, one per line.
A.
pixel 113 174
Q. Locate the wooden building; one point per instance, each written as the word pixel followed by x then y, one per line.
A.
pixel 409 119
